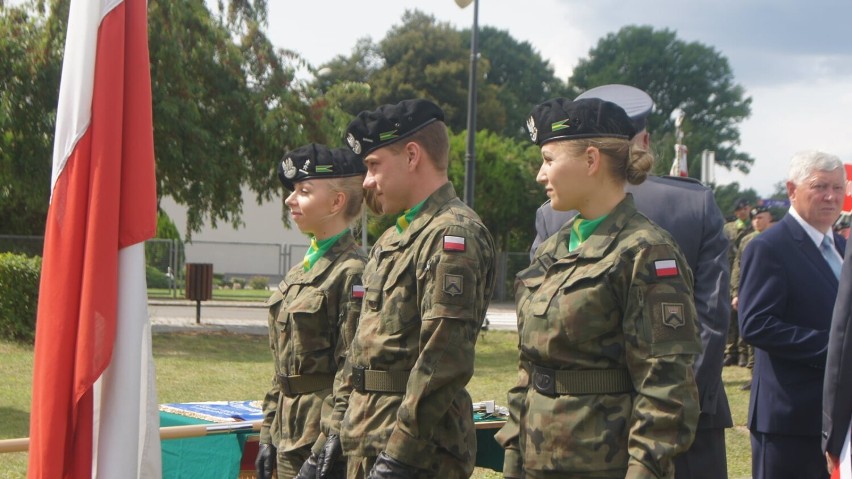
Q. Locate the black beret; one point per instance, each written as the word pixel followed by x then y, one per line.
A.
pixel 758 210
pixel 563 119
pixel 318 161
pixel 636 103
pixel 389 123
pixel 741 203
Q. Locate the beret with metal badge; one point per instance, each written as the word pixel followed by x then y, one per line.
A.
pixel 318 161
pixel 563 119
pixel 388 124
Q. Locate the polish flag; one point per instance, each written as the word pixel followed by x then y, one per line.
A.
pixel 94 405
pixel 665 267
pixel 357 291
pixel 453 243
pixel 843 468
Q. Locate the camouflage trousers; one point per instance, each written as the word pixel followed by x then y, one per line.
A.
pixel 289 462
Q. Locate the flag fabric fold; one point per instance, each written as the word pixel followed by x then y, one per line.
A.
pixel 94 405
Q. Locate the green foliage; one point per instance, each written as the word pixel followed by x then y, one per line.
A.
pixel 156 278
pixel 691 77
pixel 258 282
pixel 30 65
pixel 19 280
pixel 727 195
pixel 506 194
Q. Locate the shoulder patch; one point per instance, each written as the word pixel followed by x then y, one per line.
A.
pixel 673 315
pixel 453 243
pixel 665 268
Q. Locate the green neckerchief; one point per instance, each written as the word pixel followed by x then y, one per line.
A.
pixel 581 230
pixel 407 216
pixel 318 249
pixel 741 224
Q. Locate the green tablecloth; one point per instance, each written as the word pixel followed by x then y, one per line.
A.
pixel 218 456
pixel 209 457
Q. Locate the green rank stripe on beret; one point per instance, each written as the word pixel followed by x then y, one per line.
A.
pixel 387 124
pixel 563 119
pixel 318 161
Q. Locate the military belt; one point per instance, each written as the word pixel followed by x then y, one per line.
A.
pixel 305 383
pixel 553 382
pixel 364 380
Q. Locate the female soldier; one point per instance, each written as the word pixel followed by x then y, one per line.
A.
pixel 606 320
pixel 314 312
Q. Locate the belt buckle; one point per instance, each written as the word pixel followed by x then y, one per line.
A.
pixel 544 380
pixel 358 378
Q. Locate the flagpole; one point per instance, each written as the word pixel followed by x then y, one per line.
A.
pixel 22 444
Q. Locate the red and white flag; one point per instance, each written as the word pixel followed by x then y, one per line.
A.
pixel 94 406
pixel 843 467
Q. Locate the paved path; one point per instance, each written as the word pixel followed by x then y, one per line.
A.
pixel 250 317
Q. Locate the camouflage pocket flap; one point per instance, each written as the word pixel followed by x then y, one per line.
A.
pixel 307 302
pixel 277 297
pixel 585 272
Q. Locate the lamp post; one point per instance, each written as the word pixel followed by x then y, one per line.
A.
pixel 470 154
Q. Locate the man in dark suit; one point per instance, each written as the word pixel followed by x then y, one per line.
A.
pixel 688 211
pixel 788 286
pixel 837 386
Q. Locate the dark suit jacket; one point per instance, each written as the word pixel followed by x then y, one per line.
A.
pixel 837 386
pixel 688 211
pixel 787 293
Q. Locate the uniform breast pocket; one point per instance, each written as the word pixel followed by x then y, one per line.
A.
pixel 310 325
pixel 584 306
pixel 400 307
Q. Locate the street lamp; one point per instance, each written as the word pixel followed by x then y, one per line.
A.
pixel 470 154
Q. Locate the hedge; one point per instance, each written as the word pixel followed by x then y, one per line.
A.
pixel 19 278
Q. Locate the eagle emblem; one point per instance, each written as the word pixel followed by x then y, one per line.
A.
pixel 289 168
pixel 353 143
pixel 532 129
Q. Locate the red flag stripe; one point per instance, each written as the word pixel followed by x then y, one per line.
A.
pixel 76 322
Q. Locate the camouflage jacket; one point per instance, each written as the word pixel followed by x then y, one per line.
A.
pixel 312 320
pixel 622 301
pixel 428 289
pixel 735 270
pixel 735 234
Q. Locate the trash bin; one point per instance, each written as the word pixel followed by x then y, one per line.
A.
pixel 199 285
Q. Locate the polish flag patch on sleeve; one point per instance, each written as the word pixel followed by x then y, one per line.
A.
pixel 453 243
pixel 665 268
pixel 357 291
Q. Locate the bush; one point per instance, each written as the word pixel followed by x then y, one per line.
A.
pixel 156 278
pixel 259 282
pixel 19 278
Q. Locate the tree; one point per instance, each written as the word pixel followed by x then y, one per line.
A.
pixel 224 110
pixel 30 67
pixel 678 75
pixel 507 194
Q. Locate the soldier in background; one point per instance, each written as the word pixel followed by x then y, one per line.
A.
pixel 606 318
pixel 314 311
pixel 688 211
pixel 761 218
pixel 736 351
pixel 403 411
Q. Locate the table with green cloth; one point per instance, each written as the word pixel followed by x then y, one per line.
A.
pixel 210 457
pixel 219 456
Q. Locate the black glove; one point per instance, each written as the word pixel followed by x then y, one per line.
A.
pixel 308 469
pixel 267 458
pixel 387 467
pixel 329 465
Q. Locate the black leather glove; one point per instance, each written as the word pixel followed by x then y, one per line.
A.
pixel 387 467
pixel 267 459
pixel 329 465
pixel 308 469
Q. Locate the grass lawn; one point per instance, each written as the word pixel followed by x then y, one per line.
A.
pixel 207 367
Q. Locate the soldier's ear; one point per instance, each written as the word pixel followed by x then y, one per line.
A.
pixel 593 160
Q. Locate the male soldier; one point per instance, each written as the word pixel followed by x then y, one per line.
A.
pixel 736 351
pixel 761 219
pixel 404 411
pixel 688 211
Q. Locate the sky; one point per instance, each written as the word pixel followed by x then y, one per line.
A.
pixel 793 58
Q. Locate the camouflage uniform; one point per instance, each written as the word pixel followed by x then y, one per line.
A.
pixel 735 231
pixel 428 289
pixel 735 286
pixel 616 326
pixel 312 320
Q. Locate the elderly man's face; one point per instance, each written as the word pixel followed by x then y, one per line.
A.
pixel 819 198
